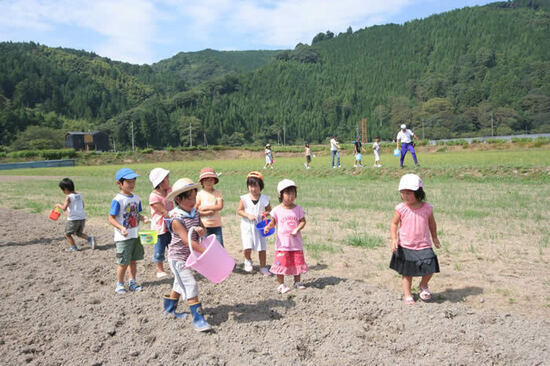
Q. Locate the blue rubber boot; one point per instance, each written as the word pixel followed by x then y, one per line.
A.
pixel 170 306
pixel 199 324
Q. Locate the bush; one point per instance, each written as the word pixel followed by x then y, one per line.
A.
pixel 58 154
pixel 148 150
pixel 23 154
pixel 496 141
pixel 2 154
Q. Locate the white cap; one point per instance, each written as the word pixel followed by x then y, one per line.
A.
pixel 403 126
pixel 411 182
pixel 157 175
pixel 285 183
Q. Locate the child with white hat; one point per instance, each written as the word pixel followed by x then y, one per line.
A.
pixel 412 244
pixel 160 207
pixel 289 251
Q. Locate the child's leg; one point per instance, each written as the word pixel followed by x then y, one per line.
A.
pixel 121 272
pixel 247 253
pixel 424 281
pixel 133 270
pixel 280 279
pixel 70 239
pixel 82 236
pixel 297 278
pixel 262 257
pixel 406 283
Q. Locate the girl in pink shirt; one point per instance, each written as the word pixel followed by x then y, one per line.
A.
pixel 412 245
pixel 289 251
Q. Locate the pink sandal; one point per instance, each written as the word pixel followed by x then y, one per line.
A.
pixel 425 294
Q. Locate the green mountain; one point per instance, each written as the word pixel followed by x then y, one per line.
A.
pixel 467 72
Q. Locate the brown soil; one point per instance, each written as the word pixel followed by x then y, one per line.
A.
pixel 59 308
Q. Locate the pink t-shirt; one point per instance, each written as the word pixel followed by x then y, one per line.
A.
pixel 414 231
pixel 288 220
pixel 157 220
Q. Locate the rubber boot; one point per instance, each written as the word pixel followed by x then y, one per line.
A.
pixel 199 324
pixel 170 306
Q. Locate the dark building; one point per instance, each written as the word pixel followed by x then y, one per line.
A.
pixel 87 141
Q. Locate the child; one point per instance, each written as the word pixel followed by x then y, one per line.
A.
pixel 412 248
pixel 308 157
pixel 252 207
pixel 358 160
pixel 160 207
pixel 124 215
pixel 268 156
pixel 184 217
pixel 210 203
pixel 357 152
pixel 376 150
pixel 76 217
pixel 289 251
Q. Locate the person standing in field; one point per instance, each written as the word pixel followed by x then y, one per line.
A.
pixel 125 215
pixel 76 217
pixel 160 207
pixel 405 138
pixel 334 151
pixel 253 207
pixel 268 156
pixel 210 203
pixel 308 157
pixel 376 150
pixel 412 253
pixel 357 152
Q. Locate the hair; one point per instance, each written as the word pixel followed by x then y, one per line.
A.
pixel 377 138
pixel 286 190
pixel 184 195
pixel 307 144
pixel 250 181
pixel 66 184
pixel 420 195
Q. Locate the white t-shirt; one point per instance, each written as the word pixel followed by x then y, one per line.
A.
pixel 405 137
pixel 126 210
pixel 75 208
pixel 376 146
pixel 334 145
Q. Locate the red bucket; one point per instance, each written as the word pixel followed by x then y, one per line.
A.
pixel 54 214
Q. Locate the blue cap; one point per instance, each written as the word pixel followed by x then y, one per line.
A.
pixel 126 173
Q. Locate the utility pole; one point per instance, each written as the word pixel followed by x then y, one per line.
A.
pixel 205 140
pixel 190 136
pixel 422 128
pixel 133 146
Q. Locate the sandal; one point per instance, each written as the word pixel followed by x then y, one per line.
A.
pixel 425 294
pixel 283 289
pixel 299 285
pixel 408 300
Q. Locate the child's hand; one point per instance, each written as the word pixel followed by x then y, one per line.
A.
pixel 266 229
pixel 251 217
pixel 124 232
pixel 294 232
pixel 394 245
pixel 145 219
pixel 437 243
pixel 208 212
pixel 200 230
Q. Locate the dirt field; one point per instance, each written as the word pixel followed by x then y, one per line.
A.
pixel 59 308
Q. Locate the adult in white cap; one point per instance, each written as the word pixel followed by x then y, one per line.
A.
pixel 334 151
pixel 405 139
pixel 160 207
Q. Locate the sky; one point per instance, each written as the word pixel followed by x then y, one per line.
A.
pixel 147 31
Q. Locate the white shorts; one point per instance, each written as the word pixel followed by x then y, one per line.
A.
pixel 268 160
pixel 376 156
pixel 184 281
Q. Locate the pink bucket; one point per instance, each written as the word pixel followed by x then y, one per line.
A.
pixel 214 263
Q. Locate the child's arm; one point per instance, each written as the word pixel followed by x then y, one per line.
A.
pixel 300 227
pixel 433 230
pixel 209 210
pixel 179 229
pixel 393 230
pixel 242 213
pixel 267 208
pixel 159 207
pixel 122 229
pixel 143 218
pixel 64 205
pixel 271 225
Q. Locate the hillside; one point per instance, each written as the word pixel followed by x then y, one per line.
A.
pixel 468 72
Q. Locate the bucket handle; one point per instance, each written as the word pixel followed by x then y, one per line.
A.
pixel 192 253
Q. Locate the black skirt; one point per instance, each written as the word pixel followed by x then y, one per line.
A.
pixel 409 262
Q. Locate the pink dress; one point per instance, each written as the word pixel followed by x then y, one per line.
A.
pixel 289 255
pixel 157 220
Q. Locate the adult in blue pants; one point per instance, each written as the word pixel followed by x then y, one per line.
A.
pixel 405 138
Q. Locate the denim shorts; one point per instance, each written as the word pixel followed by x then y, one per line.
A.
pixel 217 231
pixel 160 247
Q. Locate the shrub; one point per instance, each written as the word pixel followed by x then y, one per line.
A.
pixel 148 150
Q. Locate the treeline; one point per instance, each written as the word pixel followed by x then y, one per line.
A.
pixel 470 72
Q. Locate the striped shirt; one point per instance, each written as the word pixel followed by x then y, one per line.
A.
pixel 177 249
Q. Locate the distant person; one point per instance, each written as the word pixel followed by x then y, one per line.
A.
pixel 376 151
pixel 76 217
pixel 405 138
pixel 308 157
pixel 289 250
pixel 357 152
pixel 253 207
pixel 160 208
pixel 125 215
pixel 184 216
pixel 412 246
pixel 334 151
pixel 268 156
pixel 210 203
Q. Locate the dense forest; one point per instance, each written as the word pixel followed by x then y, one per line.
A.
pixel 470 72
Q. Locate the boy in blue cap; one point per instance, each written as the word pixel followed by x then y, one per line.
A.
pixel 124 215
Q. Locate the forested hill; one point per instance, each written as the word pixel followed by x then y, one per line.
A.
pixel 452 74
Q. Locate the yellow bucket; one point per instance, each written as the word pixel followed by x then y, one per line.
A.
pixel 148 237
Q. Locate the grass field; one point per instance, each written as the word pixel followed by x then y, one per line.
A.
pixel 491 208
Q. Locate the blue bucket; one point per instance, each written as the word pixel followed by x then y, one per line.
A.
pixel 260 226
pixel 397 153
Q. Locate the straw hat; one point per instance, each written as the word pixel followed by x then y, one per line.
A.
pixel 208 173
pixel 255 174
pixel 411 182
pixel 182 185
pixel 157 175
